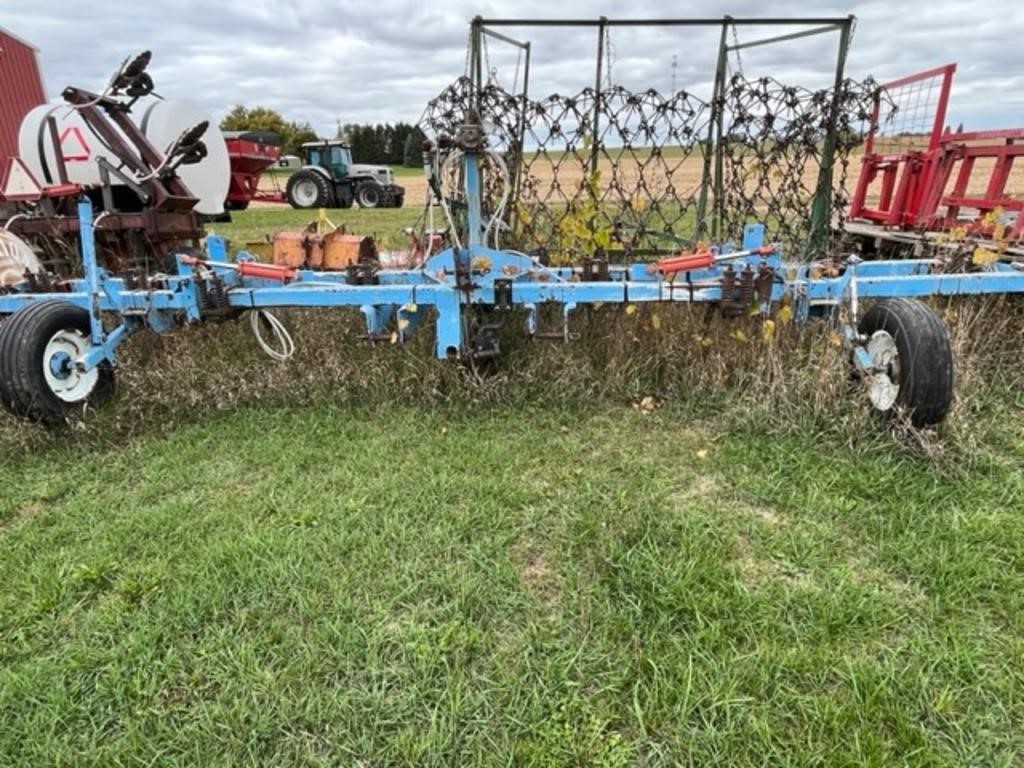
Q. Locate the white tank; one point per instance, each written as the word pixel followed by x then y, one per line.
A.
pixel 161 120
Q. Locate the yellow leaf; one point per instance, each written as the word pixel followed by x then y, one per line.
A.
pixel 410 308
pixel 403 324
pixel 739 336
pixel 983 256
pixel 655 322
pixel 785 314
pixel 705 341
pixel 701 453
pixel 631 309
pixel 768 330
pixel 394 338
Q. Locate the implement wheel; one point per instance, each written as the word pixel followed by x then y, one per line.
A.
pixel 38 381
pixel 910 349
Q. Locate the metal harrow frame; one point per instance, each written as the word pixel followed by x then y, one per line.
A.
pixel 59 339
pixel 79 332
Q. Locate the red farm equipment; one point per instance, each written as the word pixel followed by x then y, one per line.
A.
pixel 919 178
pixel 251 153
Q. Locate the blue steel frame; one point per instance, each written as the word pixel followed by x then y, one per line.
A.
pixel 402 296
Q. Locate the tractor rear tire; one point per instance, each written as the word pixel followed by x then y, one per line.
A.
pixel 37 381
pixel 397 201
pixel 308 189
pixel 922 367
pixel 371 195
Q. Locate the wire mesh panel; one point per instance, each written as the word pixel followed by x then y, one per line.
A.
pixel 774 152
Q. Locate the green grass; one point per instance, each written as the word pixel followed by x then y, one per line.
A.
pixel 332 585
pixel 407 171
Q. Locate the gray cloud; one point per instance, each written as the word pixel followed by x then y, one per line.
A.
pixel 330 60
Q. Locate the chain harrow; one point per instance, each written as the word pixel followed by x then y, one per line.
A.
pixel 647 183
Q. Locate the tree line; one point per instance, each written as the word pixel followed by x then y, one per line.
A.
pixel 382 144
pixel 292 133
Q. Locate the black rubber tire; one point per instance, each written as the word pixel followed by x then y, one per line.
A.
pixel 23 340
pixel 323 190
pixel 925 357
pixel 370 194
pixel 236 205
pixel 397 201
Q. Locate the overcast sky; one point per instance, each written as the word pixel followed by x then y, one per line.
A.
pixel 338 60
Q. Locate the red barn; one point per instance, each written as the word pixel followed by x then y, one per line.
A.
pixel 21 89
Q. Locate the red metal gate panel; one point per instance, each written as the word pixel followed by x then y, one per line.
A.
pixel 910 158
pixel 901 148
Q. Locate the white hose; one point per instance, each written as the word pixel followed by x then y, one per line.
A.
pixel 285 343
pixel 457 154
pixel 506 191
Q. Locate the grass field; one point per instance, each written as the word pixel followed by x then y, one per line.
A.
pixel 592 586
pixel 369 558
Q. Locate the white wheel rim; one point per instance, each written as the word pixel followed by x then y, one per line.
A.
pixel 67 383
pixel 305 192
pixel 883 385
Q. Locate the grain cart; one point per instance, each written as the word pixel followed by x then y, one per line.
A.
pixel 250 153
pixel 59 340
pixel 329 179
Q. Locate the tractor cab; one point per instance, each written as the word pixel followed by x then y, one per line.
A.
pixel 335 157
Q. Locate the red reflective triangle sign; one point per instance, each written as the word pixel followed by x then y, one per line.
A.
pixel 73 145
pixel 18 182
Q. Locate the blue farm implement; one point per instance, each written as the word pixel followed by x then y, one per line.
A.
pixel 60 337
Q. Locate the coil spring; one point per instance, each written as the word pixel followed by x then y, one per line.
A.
pixel 765 278
pixel 746 287
pixel 728 284
pixel 213 296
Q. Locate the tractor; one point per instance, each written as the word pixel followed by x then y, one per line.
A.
pixel 329 179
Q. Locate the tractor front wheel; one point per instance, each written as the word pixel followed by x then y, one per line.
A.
pixel 371 195
pixel 38 379
pixel 912 360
